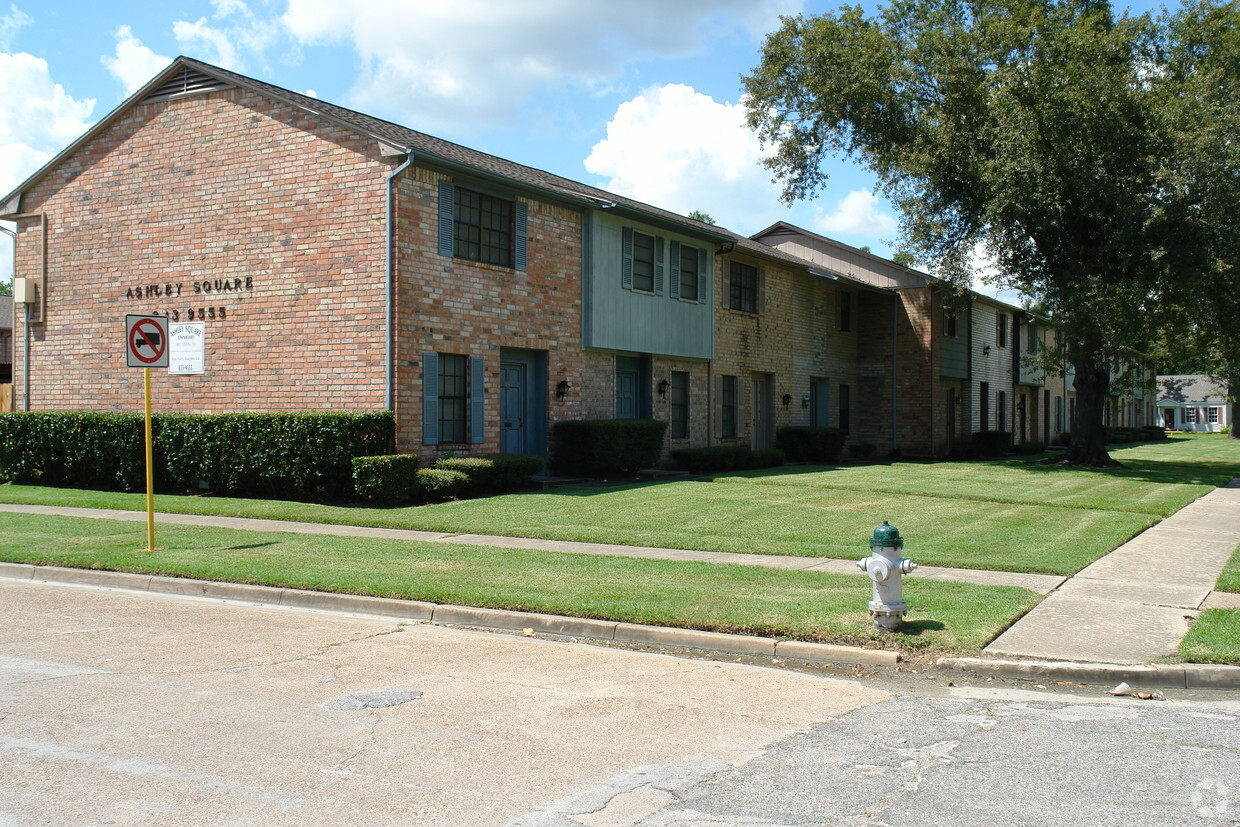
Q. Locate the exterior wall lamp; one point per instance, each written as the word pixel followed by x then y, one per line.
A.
pixel 986 350
pixel 663 386
pixel 787 399
pixel 805 401
pixel 561 389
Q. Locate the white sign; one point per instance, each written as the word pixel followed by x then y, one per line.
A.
pixel 187 347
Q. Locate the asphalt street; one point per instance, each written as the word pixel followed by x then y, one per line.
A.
pixel 125 708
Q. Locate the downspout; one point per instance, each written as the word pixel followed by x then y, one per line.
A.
pixel 895 316
pixel 389 303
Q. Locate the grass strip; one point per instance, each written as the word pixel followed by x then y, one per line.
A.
pixel 1229 579
pixel 1214 637
pixel 946 617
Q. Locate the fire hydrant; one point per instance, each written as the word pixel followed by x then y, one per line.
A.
pixel 887 568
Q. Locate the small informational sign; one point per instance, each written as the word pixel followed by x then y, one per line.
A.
pixel 187 348
pixel 146 341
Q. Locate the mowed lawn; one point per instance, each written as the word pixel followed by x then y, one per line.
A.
pixel 815 606
pixel 1012 515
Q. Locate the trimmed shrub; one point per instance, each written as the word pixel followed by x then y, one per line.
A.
pixel 1029 448
pixel 512 472
pixel 441 483
pixel 766 458
pixel 288 455
pixel 714 458
pixel 804 443
pixel 993 443
pixel 607 446
pixel 389 478
pixel 860 450
pixel 476 469
pixel 1155 432
pixel 966 451
pixel 1062 439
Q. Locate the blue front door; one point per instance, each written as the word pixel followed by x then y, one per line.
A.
pixel 512 408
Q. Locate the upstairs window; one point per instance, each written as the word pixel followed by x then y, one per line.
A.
pixel 643 262
pixel 1003 330
pixel 743 287
pixel 476 226
pixel 688 266
pixel 642 266
pixel 951 324
pixel 845 311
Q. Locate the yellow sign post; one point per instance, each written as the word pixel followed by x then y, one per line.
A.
pixel 146 347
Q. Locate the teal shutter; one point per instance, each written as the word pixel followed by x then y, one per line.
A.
pixel 477 409
pixel 674 267
pixel 626 260
pixel 658 265
pixel 520 238
pixel 430 398
pixel 447 218
pixel 706 277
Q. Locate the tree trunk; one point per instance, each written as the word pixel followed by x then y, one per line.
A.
pixel 1233 397
pixel 1089 446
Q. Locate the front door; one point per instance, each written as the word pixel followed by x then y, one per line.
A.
pixel 512 408
pixel 951 418
pixel 763 412
pixel 1169 418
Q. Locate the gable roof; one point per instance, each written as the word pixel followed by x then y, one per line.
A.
pixel 1189 389
pixel 186 76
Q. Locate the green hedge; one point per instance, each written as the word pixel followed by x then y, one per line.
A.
pixel 288 455
pixel 389 478
pixel 993 443
pixel 805 443
pixel 714 458
pixel 494 473
pixel 607 446
pixel 767 458
pixel 441 483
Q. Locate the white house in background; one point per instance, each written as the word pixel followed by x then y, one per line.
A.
pixel 1192 403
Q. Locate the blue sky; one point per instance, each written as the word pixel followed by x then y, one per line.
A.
pixel 639 97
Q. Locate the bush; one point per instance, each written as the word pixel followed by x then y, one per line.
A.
pixel 288 455
pixel 1155 432
pixel 387 479
pixel 512 472
pixel 1062 439
pixel 1029 448
pixel 861 450
pixel 803 443
pixel 476 469
pixel 766 458
pixel 715 458
pixel 607 446
pixel 993 443
pixel 441 483
pixel 966 451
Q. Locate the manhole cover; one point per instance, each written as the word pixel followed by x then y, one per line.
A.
pixel 374 700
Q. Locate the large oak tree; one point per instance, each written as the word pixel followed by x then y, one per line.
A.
pixel 1090 155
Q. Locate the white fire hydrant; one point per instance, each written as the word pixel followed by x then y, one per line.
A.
pixel 886 569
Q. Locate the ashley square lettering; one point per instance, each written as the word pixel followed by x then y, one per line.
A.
pixel 195 291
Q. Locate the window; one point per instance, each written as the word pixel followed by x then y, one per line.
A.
pixel 481 227
pixel 1003 329
pixel 680 405
pixel 1212 416
pixel 983 414
pixel 728 405
pixel 1190 416
pixel 1072 414
pixel 743 287
pixel 1059 414
pixel 452 399
pixel 845 419
pixel 686 277
pixel 818 400
pixel 643 262
pixel 1031 339
pixel 1002 406
pixel 951 324
pixel 845 311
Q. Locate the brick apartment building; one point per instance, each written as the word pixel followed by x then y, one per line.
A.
pixel 342 262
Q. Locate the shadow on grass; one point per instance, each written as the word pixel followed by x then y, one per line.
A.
pixel 915 628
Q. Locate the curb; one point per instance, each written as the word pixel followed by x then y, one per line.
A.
pixel 445 615
pixel 1167 676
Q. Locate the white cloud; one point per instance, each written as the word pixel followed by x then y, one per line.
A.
pixel 10 23
pixel 474 60
pixel 676 148
pixel 133 64
pixel 38 119
pixel 858 213
pixel 224 45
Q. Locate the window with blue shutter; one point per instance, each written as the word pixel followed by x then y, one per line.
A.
pixel 483 228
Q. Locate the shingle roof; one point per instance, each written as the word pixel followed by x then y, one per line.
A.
pixel 1189 389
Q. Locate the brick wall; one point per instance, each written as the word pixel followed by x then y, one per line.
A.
pixel 451 305
pixel 264 217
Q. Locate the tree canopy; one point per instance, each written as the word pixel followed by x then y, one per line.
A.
pixel 1093 157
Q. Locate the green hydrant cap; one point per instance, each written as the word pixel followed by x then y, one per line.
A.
pixel 886 536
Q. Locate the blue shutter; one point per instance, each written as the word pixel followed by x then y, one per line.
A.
pixel 626 259
pixel 477 410
pixel 447 218
pixel 674 267
pixel 430 398
pixel 520 237
pixel 658 265
pixel 706 278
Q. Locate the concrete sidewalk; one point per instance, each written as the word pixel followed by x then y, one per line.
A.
pixel 1134 605
pixel 1040 583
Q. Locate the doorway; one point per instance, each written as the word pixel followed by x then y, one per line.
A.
pixel 763 411
pixel 523 402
